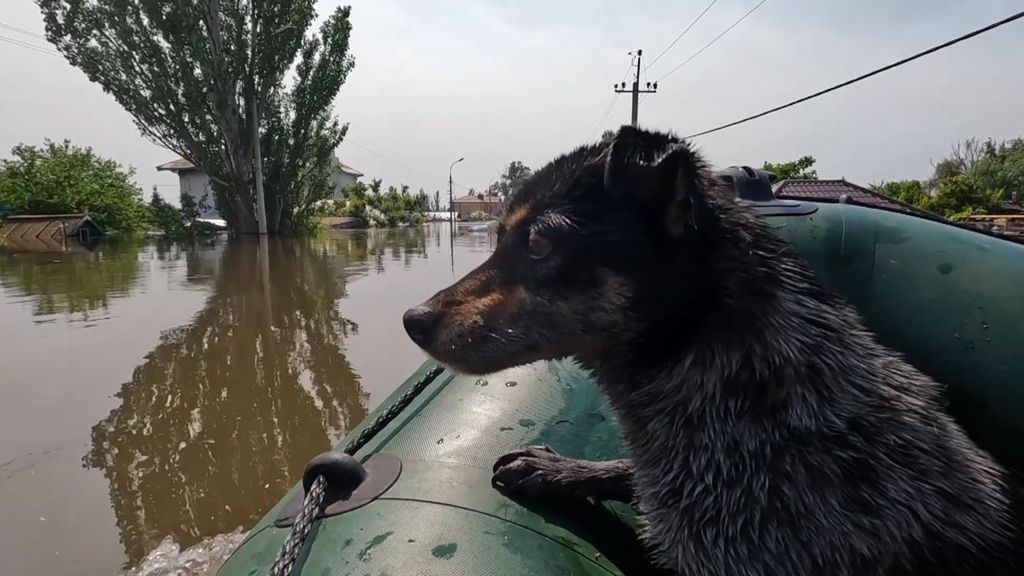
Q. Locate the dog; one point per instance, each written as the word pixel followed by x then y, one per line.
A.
pixel 770 433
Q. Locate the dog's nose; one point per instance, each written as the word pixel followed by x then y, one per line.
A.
pixel 420 322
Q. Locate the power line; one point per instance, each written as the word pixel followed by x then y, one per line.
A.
pixel 715 39
pixel 23 44
pixel 611 104
pixel 957 40
pixel 22 31
pixel 681 34
pixel 607 111
pixel 396 162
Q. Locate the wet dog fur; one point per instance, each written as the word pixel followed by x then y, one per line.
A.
pixel 770 433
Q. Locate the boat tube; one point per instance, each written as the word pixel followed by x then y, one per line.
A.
pixel 950 299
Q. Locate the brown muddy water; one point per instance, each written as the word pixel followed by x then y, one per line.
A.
pixel 156 396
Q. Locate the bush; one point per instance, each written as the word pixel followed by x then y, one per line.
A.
pixel 61 179
pixel 179 222
pixel 479 217
pixel 378 210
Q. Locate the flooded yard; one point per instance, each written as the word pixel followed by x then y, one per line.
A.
pixel 151 391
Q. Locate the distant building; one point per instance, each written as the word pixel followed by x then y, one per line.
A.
pixel 836 190
pixel 48 232
pixel 343 177
pixel 194 182
pixel 469 204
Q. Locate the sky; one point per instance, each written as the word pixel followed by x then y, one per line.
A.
pixel 496 81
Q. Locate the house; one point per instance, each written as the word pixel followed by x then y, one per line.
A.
pixel 343 177
pixel 48 232
pixel 841 190
pixel 194 182
pixel 466 205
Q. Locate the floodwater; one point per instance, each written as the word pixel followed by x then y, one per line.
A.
pixel 161 396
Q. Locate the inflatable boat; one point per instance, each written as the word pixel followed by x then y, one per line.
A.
pixel 416 497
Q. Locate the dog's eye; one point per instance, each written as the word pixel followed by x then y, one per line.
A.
pixel 540 247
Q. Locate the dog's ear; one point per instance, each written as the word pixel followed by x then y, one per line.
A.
pixel 665 174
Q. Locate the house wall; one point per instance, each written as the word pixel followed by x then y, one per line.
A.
pixel 342 180
pixel 466 208
pixel 196 184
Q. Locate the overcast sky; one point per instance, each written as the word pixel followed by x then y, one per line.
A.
pixel 526 80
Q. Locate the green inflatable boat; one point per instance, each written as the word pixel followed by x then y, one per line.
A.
pixel 950 299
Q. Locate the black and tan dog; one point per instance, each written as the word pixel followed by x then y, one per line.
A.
pixel 770 433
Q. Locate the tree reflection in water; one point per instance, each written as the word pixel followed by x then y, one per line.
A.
pixel 75 282
pixel 222 416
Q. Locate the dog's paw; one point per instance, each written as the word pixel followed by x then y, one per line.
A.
pixel 536 471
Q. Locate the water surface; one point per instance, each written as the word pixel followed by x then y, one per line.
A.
pixel 169 394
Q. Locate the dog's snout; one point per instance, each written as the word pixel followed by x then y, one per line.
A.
pixel 420 322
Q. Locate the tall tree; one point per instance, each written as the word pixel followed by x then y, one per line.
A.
pixel 186 72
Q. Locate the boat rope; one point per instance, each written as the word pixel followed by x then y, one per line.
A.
pixel 314 498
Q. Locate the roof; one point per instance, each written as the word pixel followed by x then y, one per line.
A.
pixel 182 165
pixel 179 165
pixel 348 169
pixel 475 198
pixel 836 190
pixel 43 232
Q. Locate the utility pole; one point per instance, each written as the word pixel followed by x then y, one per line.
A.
pixel 261 207
pixel 635 89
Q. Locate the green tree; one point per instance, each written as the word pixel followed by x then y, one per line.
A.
pixel 1001 168
pixel 960 196
pixel 510 181
pixel 187 71
pixel 907 191
pixel 799 169
pixel 61 179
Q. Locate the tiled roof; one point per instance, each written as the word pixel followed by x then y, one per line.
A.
pixel 834 190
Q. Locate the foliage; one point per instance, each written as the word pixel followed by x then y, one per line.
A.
pixel 959 197
pixel 510 181
pixel 799 169
pixel 907 191
pixel 378 210
pixel 187 71
pixel 479 217
pixel 61 179
pixel 608 136
pixel 178 223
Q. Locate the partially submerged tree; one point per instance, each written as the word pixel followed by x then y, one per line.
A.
pixel 62 178
pixel 187 71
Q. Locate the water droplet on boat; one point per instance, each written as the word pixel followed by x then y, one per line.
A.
pixel 985 325
pixel 480 382
pixel 440 440
pixel 511 384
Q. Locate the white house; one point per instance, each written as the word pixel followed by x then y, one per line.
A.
pixel 196 183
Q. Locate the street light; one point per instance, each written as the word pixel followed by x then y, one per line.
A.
pixel 451 197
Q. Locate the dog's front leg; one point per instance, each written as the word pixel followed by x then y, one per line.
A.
pixel 540 471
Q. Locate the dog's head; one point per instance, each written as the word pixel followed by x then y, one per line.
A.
pixel 596 248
